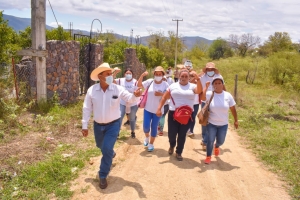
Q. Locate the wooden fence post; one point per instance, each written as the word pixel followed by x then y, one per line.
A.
pixel 235 87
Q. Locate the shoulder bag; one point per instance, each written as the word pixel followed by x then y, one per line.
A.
pixel 204 112
pixel 182 114
pixel 143 99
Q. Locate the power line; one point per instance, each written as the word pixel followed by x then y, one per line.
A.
pixel 165 8
pixel 53 13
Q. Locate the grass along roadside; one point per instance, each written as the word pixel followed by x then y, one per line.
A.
pixel 63 157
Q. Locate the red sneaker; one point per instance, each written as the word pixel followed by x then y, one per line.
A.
pixel 217 151
pixel 207 160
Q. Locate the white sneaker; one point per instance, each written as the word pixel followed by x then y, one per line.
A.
pixel 146 141
pixel 150 147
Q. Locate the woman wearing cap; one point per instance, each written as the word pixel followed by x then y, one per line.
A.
pixel 156 88
pixel 130 84
pixel 182 93
pixel 209 73
pixel 161 124
pixel 218 117
pixel 193 79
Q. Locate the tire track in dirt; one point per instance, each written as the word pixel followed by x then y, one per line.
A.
pixel 137 174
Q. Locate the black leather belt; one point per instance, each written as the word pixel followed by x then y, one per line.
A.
pixel 105 124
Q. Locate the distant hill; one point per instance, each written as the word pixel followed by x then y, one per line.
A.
pixel 19 24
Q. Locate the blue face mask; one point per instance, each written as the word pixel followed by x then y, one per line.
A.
pixel 128 77
pixel 109 80
pixel 211 73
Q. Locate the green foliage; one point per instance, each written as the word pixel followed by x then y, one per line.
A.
pixel 284 69
pixel 219 49
pixel 280 41
pixel 114 53
pixel 8 41
pixel 167 45
pixel 25 38
pixel 58 34
pixel 198 51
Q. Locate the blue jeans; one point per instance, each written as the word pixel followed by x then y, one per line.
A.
pixel 105 137
pixel 150 120
pixel 132 115
pixel 204 128
pixel 196 108
pixel 162 118
pixel 217 133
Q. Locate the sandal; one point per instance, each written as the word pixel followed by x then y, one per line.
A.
pixel 160 133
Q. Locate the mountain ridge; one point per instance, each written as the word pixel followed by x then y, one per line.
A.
pixel 19 24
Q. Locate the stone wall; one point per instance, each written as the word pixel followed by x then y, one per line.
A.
pixel 132 61
pixel 62 70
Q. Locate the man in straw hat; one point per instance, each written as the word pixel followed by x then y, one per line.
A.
pixel 209 73
pixel 103 100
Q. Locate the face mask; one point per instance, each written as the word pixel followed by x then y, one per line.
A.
pixel 109 80
pixel 158 78
pixel 211 73
pixel 128 77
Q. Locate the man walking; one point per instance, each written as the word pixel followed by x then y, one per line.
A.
pixel 103 100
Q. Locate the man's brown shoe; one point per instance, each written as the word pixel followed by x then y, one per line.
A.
pixel 171 150
pixel 179 157
pixel 103 183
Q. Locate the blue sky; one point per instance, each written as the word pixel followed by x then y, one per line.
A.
pixel 208 19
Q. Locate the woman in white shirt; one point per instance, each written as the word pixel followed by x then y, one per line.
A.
pixel 156 89
pixel 218 117
pixel 209 73
pixel 130 84
pixel 161 123
pixel 182 93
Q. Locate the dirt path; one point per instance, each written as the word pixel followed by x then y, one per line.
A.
pixel 137 174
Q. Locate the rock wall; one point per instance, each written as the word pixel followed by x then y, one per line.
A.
pixel 132 61
pixel 62 70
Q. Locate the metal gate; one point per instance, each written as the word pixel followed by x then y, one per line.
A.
pixel 84 62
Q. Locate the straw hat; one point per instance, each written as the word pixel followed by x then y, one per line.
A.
pixel 103 67
pixel 210 65
pixel 159 69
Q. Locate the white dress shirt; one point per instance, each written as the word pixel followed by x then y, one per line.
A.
pixel 105 106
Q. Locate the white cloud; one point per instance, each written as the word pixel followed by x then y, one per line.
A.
pixel 209 19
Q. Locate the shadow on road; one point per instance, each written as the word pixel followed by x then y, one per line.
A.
pixel 116 184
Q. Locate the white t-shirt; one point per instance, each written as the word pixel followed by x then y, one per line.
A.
pixel 196 100
pixel 182 95
pixel 219 107
pixel 129 86
pixel 206 78
pixel 152 100
pixel 170 80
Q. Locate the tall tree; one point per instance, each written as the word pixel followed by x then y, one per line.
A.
pixel 280 41
pixel 219 49
pixel 25 37
pixel 243 43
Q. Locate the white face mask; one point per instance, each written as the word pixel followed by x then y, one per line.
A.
pixel 158 78
pixel 109 80
pixel 211 73
pixel 128 77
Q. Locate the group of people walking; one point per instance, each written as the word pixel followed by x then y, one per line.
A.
pixel 110 99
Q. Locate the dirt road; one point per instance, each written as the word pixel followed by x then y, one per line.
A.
pixel 138 174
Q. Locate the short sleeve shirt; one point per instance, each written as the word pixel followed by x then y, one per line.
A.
pixel 182 95
pixel 152 100
pixel 219 107
pixel 130 86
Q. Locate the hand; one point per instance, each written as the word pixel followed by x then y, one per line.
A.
pixel 236 124
pixel 195 75
pixel 138 92
pixel 85 132
pixel 156 93
pixel 158 113
pixel 116 70
pixel 145 73
pixel 207 84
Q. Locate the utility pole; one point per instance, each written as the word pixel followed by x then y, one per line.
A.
pixel 176 40
pixel 38 51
